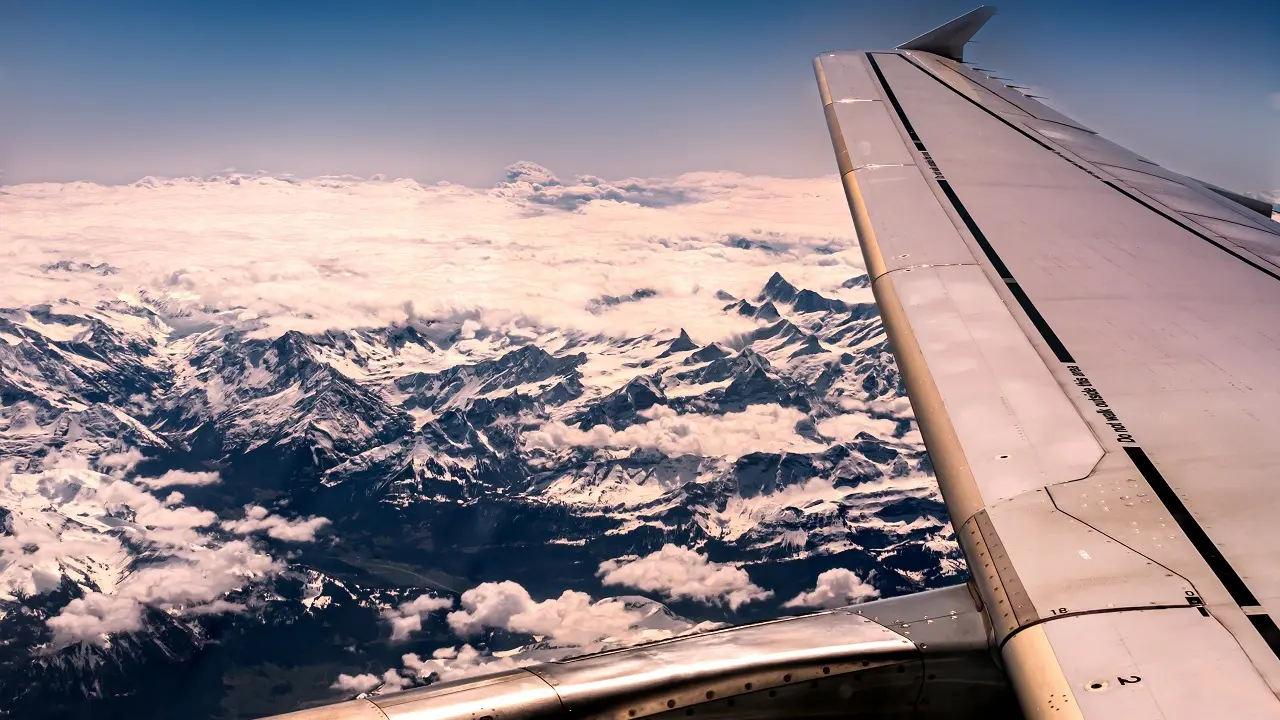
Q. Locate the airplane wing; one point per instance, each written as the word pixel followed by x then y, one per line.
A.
pixel 1090 343
pixel 1091 346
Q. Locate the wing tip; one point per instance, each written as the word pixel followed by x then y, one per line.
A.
pixel 949 39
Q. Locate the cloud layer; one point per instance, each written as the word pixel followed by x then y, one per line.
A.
pixel 340 252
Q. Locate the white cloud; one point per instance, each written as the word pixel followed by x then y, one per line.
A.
pixel 573 618
pixel 123 461
pixel 178 477
pixel 347 253
pixel 539 185
pixel 836 588
pixel 679 573
pixel 390 681
pixel 455 663
pixel 758 428
pixel 896 406
pixel 257 518
pixel 361 683
pixel 570 624
pixel 847 426
pixel 189 584
pixel 407 617
pixel 95 616
pixel 67 521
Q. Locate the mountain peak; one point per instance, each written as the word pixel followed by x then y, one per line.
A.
pixel 768 311
pixel 683 343
pixel 777 289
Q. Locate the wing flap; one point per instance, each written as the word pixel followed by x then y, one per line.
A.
pixel 1066 567
pixel 1182 197
pixel 1263 244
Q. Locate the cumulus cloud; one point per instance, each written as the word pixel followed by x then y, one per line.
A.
pixel 532 173
pixel 570 624
pixel 444 664
pixel 345 253
pixel 573 618
pixel 94 617
pixel 178 477
pixel 259 519
pixel 390 681
pixel 455 663
pixel 896 406
pixel 407 617
pixel 758 428
pixel 836 588
pixel 680 573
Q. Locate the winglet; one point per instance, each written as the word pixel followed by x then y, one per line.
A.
pixel 949 40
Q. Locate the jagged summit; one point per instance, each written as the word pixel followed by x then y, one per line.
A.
pixel 767 311
pixel 777 288
pixel 683 343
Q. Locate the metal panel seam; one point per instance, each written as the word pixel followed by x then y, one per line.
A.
pixel 1066 485
pixel 951 466
pixel 987 577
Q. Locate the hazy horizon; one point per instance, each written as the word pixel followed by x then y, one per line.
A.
pixel 440 92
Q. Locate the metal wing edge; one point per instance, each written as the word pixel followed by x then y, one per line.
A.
pixel 918 652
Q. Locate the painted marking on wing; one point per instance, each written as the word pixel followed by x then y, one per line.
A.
pixel 1104 409
pixel 1226 574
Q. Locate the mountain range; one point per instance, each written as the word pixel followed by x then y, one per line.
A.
pixel 327 479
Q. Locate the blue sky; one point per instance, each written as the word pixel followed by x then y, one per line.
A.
pixel 456 91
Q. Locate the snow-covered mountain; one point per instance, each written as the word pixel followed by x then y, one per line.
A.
pixel 207 513
pixel 442 462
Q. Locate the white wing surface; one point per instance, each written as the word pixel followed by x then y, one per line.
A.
pixel 1091 343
